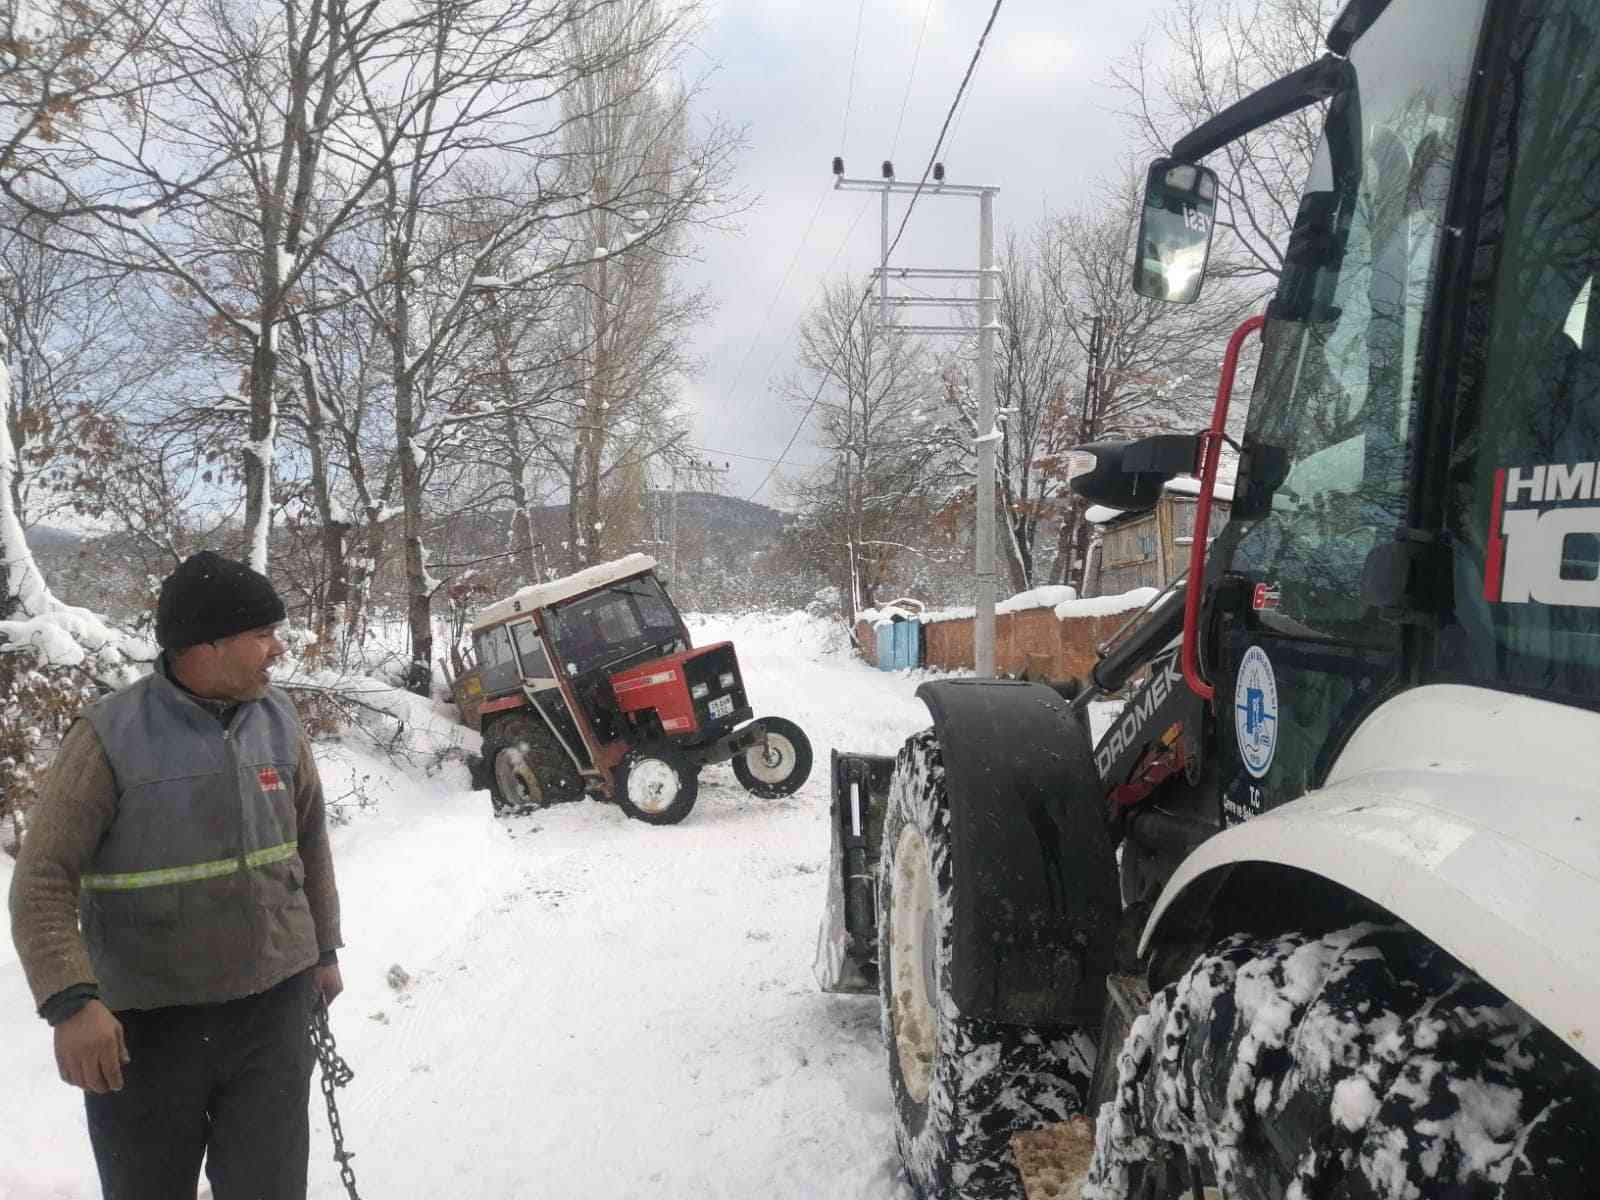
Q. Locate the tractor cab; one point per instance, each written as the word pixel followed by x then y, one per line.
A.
pixel 590 684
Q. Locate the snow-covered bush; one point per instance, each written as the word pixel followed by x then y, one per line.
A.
pixel 38 701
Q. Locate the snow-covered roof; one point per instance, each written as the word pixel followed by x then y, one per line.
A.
pixel 1039 597
pixel 1107 606
pixel 541 595
pixel 1188 485
pixel 1183 485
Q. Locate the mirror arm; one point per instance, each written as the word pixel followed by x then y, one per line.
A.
pixel 1299 89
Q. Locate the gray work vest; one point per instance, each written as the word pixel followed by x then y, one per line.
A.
pixel 195 894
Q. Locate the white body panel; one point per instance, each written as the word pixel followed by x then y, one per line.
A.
pixel 539 595
pixel 1474 816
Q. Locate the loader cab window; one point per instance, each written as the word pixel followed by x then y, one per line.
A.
pixel 1334 415
pixel 1340 352
pixel 1523 508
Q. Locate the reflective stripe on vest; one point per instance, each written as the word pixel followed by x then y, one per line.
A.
pixel 206 870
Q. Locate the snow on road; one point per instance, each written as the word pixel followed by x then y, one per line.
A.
pixel 591 1006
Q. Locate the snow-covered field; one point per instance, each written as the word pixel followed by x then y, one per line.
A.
pixel 595 1007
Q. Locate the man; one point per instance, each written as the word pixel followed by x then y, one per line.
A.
pixel 174 905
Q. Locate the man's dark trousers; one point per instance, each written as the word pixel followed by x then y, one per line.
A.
pixel 229 1082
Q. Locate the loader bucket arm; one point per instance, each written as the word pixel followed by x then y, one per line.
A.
pixel 847 943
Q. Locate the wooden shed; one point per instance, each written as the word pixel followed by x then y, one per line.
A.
pixel 1149 549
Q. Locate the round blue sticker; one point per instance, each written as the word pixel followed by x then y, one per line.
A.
pixel 1255 711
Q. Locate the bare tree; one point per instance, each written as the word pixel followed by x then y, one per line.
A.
pixel 480 171
pixel 1201 57
pixel 877 405
pixel 1038 372
pixel 74 363
pixel 650 182
pixel 1154 366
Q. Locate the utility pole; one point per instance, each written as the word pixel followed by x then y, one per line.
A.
pixel 988 325
pixel 698 466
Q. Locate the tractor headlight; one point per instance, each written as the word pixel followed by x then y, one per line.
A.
pixel 700 691
pixel 726 679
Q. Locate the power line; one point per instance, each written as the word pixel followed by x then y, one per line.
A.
pixel 850 87
pixel 866 292
pixel 855 52
pixel 912 78
pixel 816 395
pixel 972 66
pixel 732 454
pixel 961 116
pixel 733 388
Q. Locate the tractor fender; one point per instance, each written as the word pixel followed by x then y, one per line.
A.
pixel 1471 815
pixel 1035 901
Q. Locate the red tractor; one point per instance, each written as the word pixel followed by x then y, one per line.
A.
pixel 588 684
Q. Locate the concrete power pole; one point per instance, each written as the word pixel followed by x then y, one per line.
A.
pixel 988 325
pixel 699 467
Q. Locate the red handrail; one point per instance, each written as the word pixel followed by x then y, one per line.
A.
pixel 1209 452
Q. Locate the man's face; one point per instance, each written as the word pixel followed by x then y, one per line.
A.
pixel 238 667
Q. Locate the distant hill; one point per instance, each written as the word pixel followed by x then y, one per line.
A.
pixel 42 537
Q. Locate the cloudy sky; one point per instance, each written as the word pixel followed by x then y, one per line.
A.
pixel 1038 122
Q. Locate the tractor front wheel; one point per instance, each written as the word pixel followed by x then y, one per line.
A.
pixel 658 787
pixel 778 765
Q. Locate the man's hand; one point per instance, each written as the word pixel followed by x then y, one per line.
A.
pixel 328 982
pixel 90 1049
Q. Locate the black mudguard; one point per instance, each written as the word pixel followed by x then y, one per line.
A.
pixel 1036 898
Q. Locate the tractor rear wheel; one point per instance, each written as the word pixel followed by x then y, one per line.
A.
pixel 658 787
pixel 1365 1064
pixel 780 766
pixel 961 1086
pixel 526 766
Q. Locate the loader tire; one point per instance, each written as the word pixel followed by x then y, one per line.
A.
pixel 525 766
pixel 961 1086
pixel 1365 1064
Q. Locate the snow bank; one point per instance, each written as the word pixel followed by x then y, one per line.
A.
pixel 1039 597
pixel 1107 606
pixel 813 638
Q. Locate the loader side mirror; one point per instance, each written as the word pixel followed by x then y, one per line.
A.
pixel 1130 475
pixel 1180 207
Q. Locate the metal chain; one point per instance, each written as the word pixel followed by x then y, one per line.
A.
pixel 335 1074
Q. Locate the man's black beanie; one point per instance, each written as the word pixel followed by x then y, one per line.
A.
pixel 209 598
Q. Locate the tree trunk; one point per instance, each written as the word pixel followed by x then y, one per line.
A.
pixel 258 450
pixel 419 599
pixel 25 591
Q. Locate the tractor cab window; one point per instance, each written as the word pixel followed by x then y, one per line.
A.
pixel 530 649
pixel 496 660
pixel 1523 508
pixel 623 621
